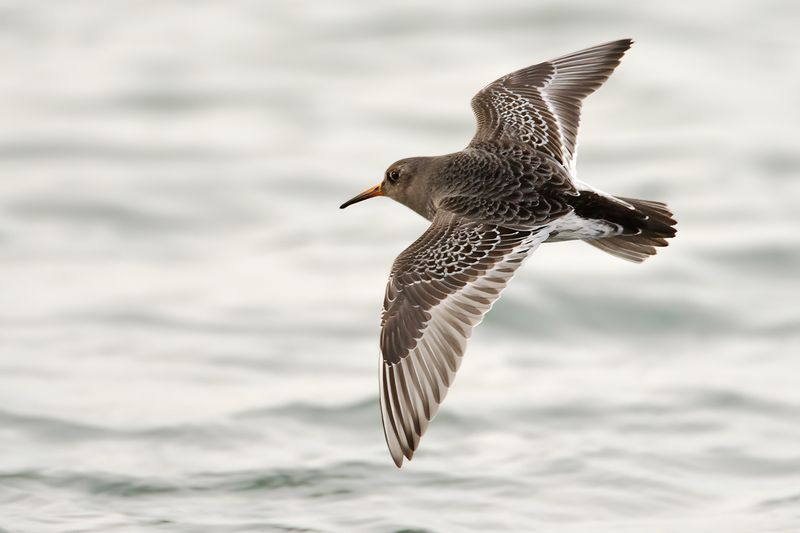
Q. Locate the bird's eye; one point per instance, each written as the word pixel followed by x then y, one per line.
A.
pixel 393 175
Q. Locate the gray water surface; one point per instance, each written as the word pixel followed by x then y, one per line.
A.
pixel 188 324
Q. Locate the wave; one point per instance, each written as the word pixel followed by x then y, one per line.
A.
pixel 55 429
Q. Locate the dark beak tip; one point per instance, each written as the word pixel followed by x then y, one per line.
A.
pixel 369 193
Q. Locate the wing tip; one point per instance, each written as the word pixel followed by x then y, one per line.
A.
pixel 398 459
pixel 612 49
pixel 617 49
pixel 399 453
pixel 626 44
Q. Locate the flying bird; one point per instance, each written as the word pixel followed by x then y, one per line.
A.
pixel 490 206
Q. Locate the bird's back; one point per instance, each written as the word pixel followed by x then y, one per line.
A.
pixel 505 183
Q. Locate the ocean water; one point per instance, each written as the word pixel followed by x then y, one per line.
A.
pixel 189 324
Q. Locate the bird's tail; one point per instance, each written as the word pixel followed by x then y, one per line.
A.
pixel 654 226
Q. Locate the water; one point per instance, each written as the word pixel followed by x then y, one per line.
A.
pixel 188 324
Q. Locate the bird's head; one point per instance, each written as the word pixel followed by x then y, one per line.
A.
pixel 404 181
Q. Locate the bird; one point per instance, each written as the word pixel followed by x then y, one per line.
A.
pixel 490 206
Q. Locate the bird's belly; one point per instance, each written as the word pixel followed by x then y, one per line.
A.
pixel 571 227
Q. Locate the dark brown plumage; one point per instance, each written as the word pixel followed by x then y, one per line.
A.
pixel 491 205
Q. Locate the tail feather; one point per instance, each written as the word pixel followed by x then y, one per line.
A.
pixel 655 227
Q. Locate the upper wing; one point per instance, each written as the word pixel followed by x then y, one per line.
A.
pixel 439 289
pixel 541 104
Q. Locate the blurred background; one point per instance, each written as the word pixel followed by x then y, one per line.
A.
pixel 188 324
